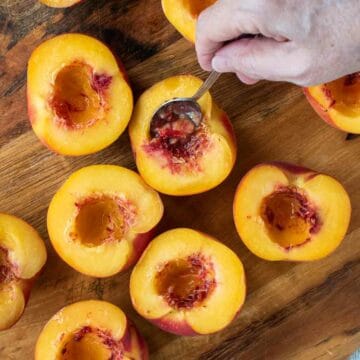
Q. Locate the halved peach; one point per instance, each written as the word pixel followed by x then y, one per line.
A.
pixel 102 218
pixel 22 256
pixel 90 330
pixel 188 283
pixel 286 212
pixel 183 14
pixel 177 161
pixel 79 101
pixel 60 3
pixel 338 102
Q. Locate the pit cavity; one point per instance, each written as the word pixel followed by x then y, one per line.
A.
pixel 195 7
pixel 179 143
pixel 186 283
pixel 89 343
pixel 78 98
pixel 345 91
pixel 7 274
pixel 289 217
pixel 102 219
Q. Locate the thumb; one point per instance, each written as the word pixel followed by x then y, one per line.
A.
pixel 259 58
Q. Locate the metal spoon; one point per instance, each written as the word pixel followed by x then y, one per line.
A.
pixel 186 112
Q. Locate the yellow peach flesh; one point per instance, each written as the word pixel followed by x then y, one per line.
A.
pixel 79 101
pixel 338 102
pixel 60 3
pixel 22 256
pixel 183 14
pixel 217 307
pixel 97 217
pixel 300 240
pixel 89 330
pixel 206 161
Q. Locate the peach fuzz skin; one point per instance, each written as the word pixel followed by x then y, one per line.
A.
pixel 22 257
pixel 79 99
pixel 90 330
pixel 338 102
pixel 187 283
pixel 201 162
pixel 183 14
pixel 287 212
pixel 105 227
pixel 60 3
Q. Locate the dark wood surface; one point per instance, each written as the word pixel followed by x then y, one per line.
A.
pixel 306 311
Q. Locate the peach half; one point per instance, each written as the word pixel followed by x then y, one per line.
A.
pixel 22 256
pixel 338 102
pixel 286 212
pixel 79 101
pixel 187 283
pixel 102 218
pixel 90 330
pixel 60 3
pixel 179 161
pixel 183 15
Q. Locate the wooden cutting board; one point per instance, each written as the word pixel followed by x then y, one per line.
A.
pixel 293 311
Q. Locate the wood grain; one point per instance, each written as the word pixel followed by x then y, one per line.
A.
pixel 304 311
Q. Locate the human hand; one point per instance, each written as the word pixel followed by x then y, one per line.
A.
pixel 305 42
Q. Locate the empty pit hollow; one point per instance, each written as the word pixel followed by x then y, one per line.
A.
pixel 90 344
pixel 78 99
pixel 7 274
pixel 100 220
pixel 289 217
pixel 185 283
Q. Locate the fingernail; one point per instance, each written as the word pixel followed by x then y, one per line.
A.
pixel 219 63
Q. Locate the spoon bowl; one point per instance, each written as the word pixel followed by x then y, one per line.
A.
pixel 180 116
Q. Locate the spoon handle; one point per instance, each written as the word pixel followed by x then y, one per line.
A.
pixel 210 81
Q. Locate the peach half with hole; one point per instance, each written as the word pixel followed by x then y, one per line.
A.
pixel 187 283
pixel 102 218
pixel 90 330
pixel 286 212
pixel 180 159
pixel 183 15
pixel 60 3
pixel 79 100
pixel 22 257
pixel 338 102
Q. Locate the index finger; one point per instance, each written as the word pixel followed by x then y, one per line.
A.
pixel 217 24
